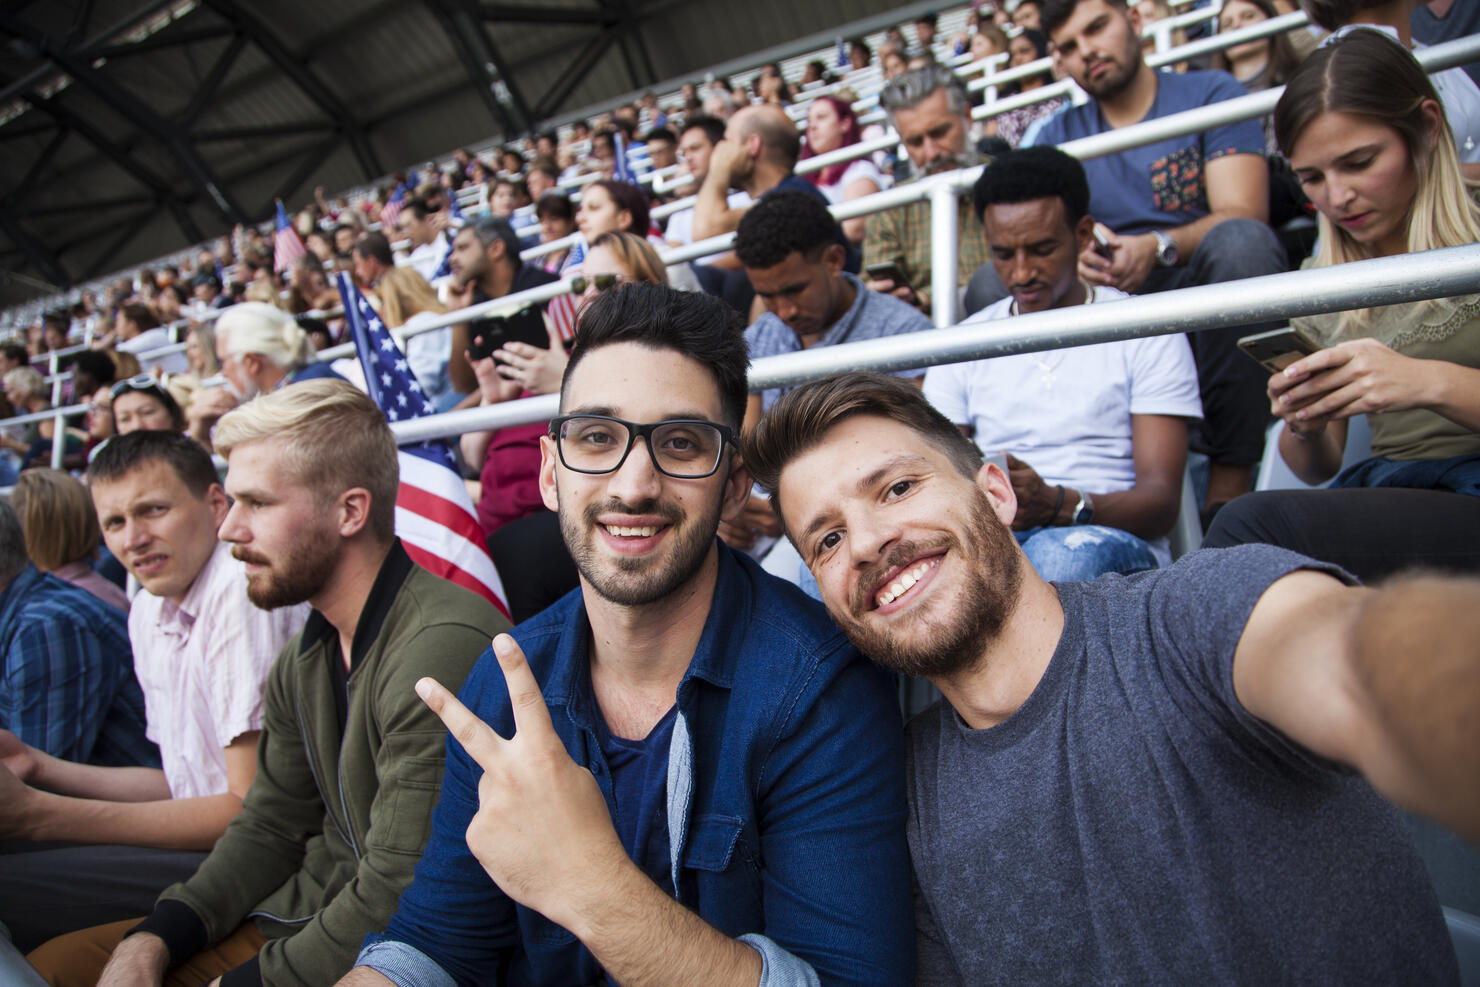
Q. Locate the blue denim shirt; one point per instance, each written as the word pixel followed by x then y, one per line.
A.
pixel 785 802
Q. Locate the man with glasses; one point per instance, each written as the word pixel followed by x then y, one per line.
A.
pixel 704 782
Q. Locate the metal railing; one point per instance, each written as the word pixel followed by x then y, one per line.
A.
pixel 1359 284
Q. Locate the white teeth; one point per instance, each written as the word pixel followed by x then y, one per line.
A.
pixel 906 579
pixel 631 532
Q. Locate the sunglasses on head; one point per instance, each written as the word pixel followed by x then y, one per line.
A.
pixel 580 282
pixel 140 382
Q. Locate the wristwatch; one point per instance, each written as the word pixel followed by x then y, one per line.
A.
pixel 1084 511
pixel 1166 250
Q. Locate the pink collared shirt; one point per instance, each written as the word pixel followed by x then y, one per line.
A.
pixel 203 666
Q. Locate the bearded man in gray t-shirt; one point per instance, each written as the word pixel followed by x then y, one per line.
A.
pixel 1149 779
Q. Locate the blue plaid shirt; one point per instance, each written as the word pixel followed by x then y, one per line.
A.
pixel 68 686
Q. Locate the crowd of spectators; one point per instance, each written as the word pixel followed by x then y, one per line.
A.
pixel 115 559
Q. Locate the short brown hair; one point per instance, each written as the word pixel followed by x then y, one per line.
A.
pixel 797 423
pixel 57 516
pixel 335 439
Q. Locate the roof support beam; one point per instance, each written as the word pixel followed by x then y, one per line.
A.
pixel 311 161
pixel 482 62
pixel 291 65
pixel 94 205
pixel 583 64
pixel 545 15
pixel 136 111
pixel 23 187
pixel 158 42
pixel 211 84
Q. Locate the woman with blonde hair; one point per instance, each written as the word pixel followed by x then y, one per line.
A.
pixel 1367 137
pixel 407 301
pixel 60 526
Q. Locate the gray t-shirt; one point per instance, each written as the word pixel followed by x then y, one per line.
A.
pixel 871 316
pixel 1133 823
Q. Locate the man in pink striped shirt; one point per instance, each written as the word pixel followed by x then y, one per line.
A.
pixel 202 652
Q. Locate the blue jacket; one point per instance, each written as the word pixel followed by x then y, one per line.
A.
pixel 785 804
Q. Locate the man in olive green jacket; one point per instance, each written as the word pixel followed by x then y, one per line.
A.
pixel 350 760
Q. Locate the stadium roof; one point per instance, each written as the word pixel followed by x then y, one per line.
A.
pixel 129 130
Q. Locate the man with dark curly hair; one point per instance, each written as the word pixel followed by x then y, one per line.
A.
pixel 788 245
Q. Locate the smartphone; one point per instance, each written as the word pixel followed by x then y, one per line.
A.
pixel 524 326
pixel 886 271
pixel 1102 243
pixel 1277 349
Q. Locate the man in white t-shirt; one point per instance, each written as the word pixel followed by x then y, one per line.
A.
pixel 699 136
pixel 202 652
pixel 1095 437
pixel 428 245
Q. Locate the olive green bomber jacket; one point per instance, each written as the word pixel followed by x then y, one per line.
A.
pixel 333 826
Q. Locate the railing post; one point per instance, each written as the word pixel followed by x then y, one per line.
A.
pixel 944 247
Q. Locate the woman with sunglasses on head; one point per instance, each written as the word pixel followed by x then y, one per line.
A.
pixel 510 457
pixel 1367 137
pixel 134 405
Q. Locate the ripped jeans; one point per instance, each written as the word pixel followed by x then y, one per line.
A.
pixel 1084 551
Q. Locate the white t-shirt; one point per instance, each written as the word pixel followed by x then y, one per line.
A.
pixel 153 339
pixel 680 230
pixel 1067 413
pixel 425 259
pixel 862 168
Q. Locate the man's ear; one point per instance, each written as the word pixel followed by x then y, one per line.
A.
pixel 548 492
pixel 354 511
pixel 218 502
pixel 1084 233
pixel 994 483
pixel 1134 16
pixel 737 489
pixel 833 257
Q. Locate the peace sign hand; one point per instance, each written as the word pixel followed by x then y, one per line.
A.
pixel 542 830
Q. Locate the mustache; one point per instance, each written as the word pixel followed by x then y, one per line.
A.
pixel 243 555
pixel 871 580
pixel 649 507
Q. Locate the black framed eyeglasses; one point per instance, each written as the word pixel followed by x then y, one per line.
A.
pixel 685 449
pixel 139 382
pixel 580 282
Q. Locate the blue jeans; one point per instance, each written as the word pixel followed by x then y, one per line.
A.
pixel 1084 551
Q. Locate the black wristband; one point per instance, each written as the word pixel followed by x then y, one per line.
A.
pixel 1054 518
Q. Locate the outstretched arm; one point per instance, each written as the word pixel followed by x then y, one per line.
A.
pixel 1387 681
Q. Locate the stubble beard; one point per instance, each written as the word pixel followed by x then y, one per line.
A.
pixel 953 642
pixel 634 581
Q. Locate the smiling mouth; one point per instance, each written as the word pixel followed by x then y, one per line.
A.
pixel 904 582
pixel 628 531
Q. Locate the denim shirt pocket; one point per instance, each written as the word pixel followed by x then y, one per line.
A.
pixel 721 865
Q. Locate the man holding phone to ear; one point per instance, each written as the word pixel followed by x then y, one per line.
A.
pixel 485 265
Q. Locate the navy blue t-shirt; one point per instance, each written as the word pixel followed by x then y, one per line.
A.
pixel 639 771
pixel 1164 184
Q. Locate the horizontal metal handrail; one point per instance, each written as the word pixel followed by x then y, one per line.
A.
pixel 1443 56
pixel 1384 281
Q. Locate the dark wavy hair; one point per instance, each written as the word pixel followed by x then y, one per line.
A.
pixel 783 222
pixel 704 328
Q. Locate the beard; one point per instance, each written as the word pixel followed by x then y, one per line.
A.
pixel 953 642
pixel 302 575
pixel 1113 82
pixel 633 581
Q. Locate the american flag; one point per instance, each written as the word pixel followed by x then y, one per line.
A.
pixel 286 247
pixel 444 266
pixel 562 310
pixel 390 213
pixel 622 170
pixel 435 519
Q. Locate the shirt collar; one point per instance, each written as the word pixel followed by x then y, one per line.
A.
pixel 714 659
pixel 393 572
pixel 20 587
